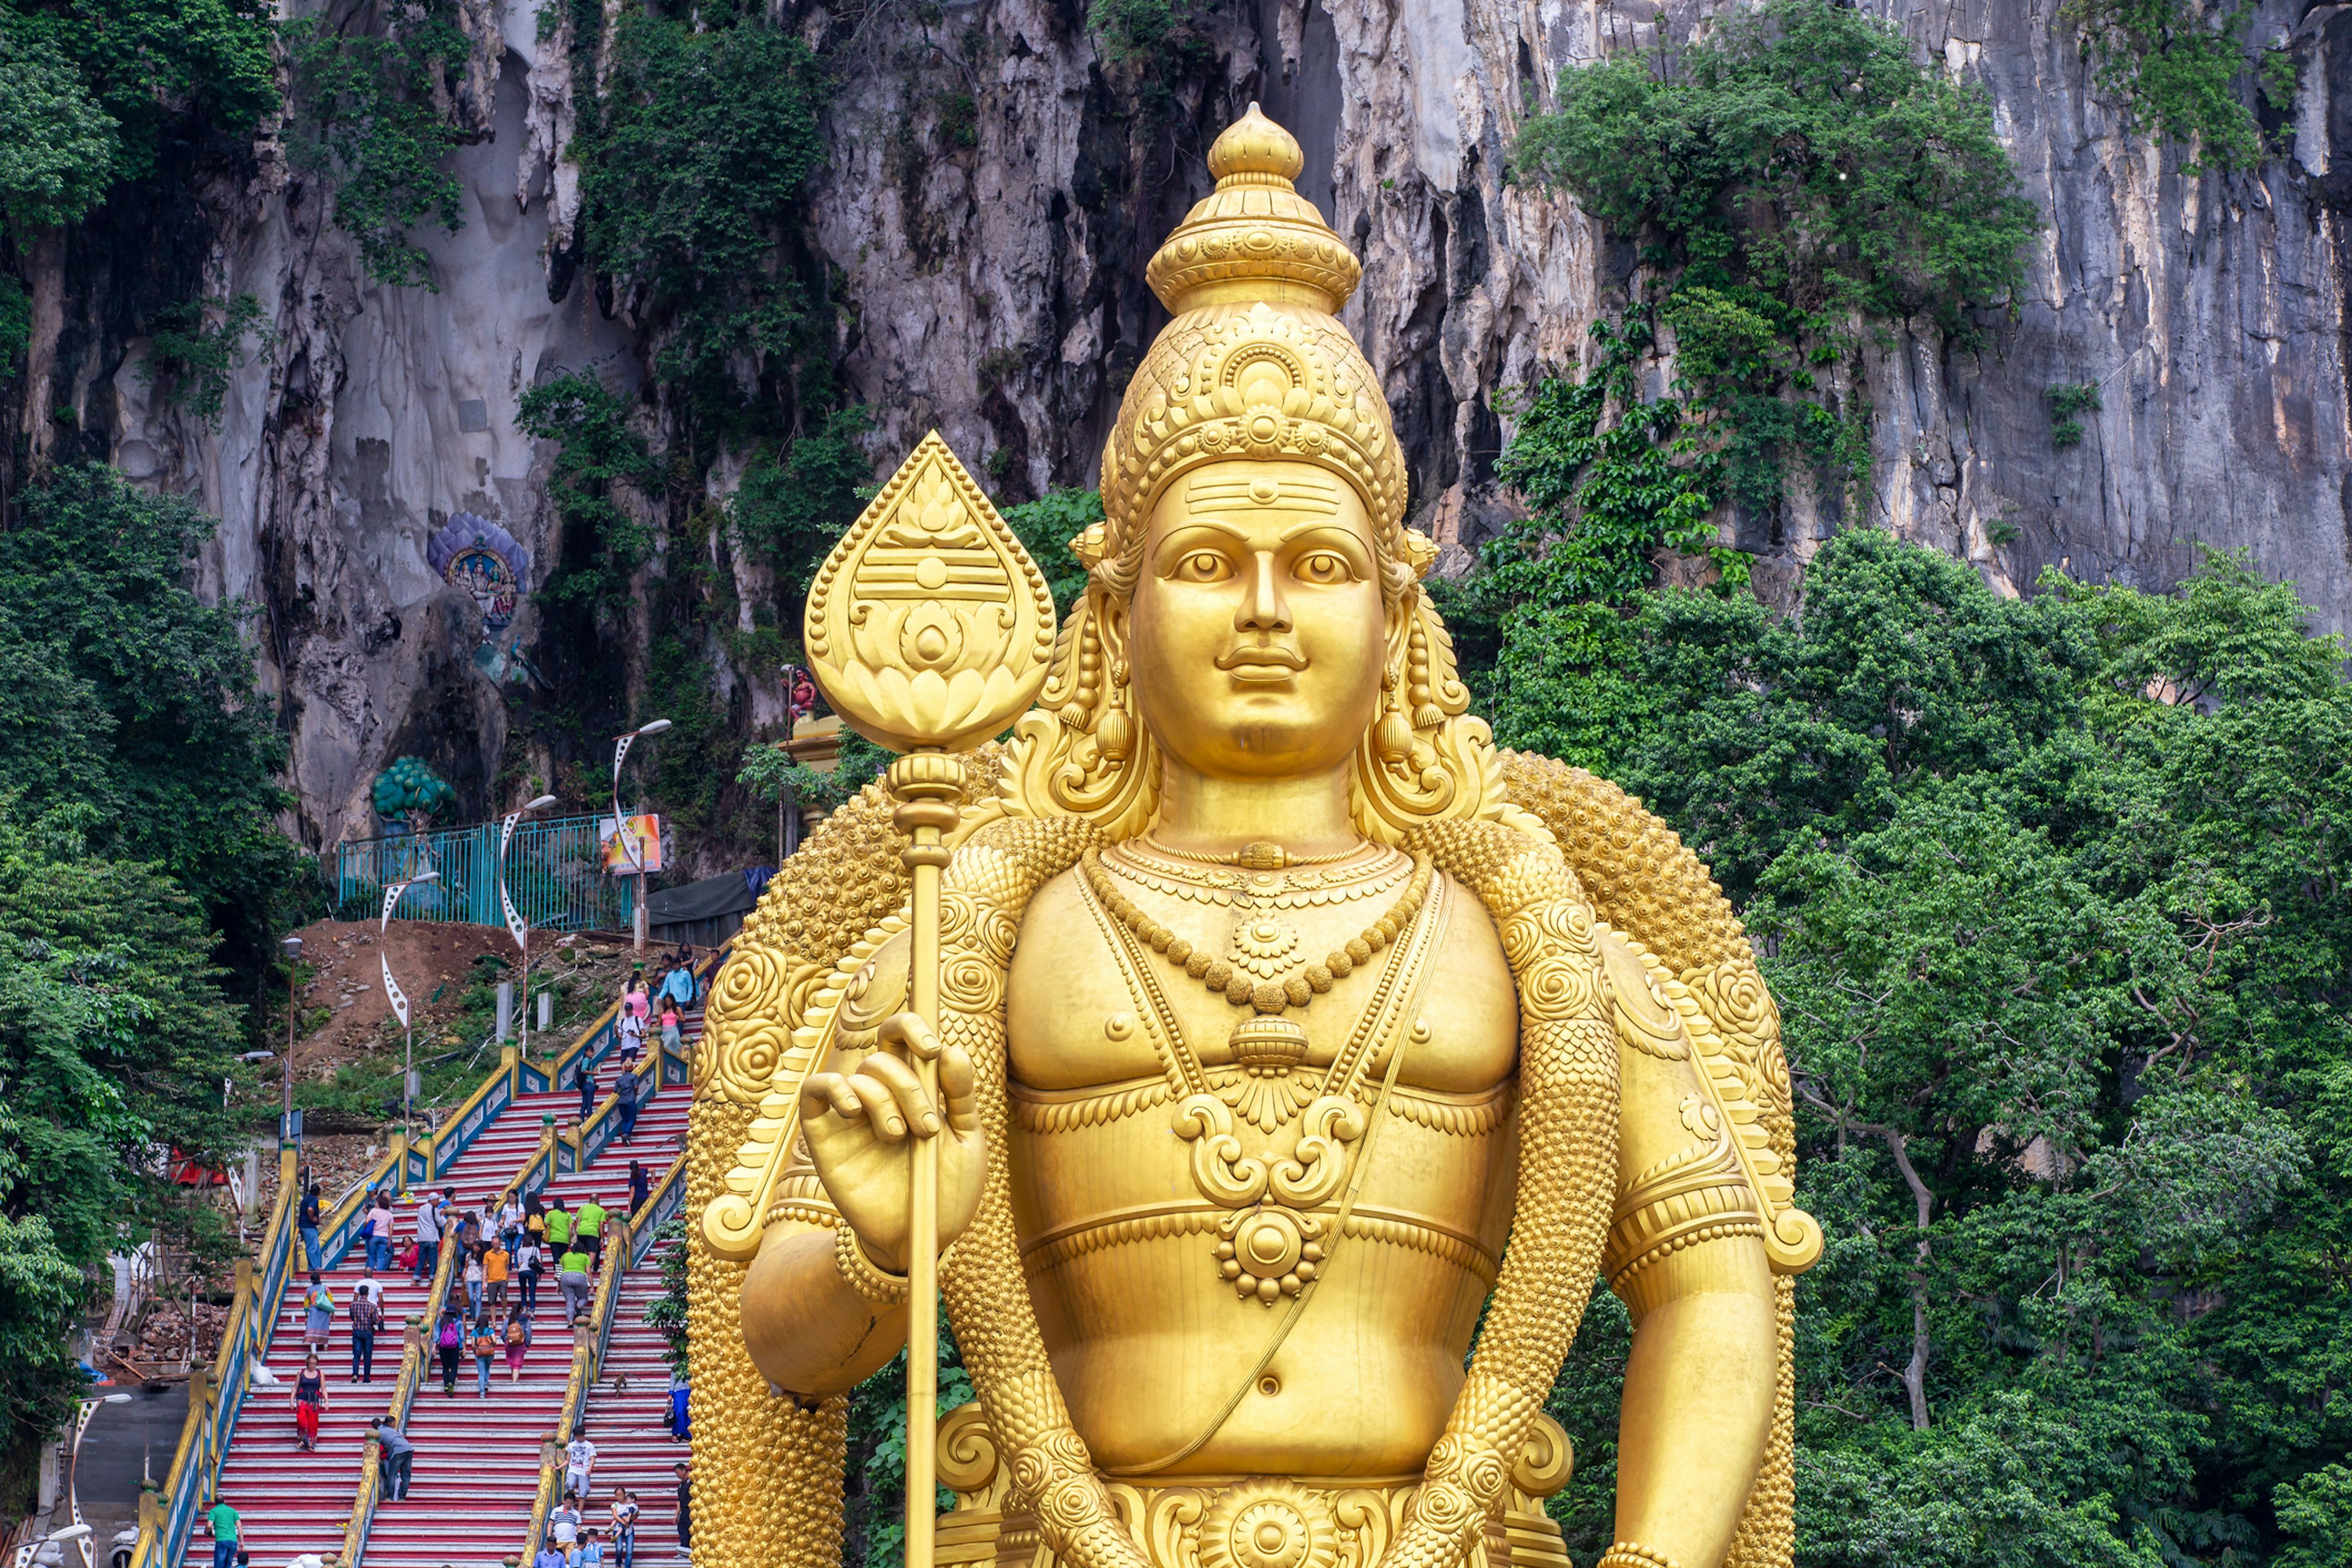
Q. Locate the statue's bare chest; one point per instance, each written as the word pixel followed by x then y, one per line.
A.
pixel 1090 1007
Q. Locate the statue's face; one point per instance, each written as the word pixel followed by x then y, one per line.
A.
pixel 1257 632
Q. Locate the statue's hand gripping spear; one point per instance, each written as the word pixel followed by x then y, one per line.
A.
pixel 929 629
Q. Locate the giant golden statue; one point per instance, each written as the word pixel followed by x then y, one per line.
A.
pixel 1284 1026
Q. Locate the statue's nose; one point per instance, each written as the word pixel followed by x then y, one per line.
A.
pixel 1263 607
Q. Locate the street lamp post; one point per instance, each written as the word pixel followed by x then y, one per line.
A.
pixel 398 998
pixel 286 1132
pixel 86 1409
pixel 518 927
pixel 620 823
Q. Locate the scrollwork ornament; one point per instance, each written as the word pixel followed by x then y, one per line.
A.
pixel 1225 1172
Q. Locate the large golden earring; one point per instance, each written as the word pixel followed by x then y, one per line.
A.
pixel 1115 736
pixel 1395 740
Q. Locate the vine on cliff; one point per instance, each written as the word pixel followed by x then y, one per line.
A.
pixel 2175 66
pixel 1796 182
pixel 371 114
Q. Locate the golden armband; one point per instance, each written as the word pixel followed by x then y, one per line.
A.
pixel 1698 1198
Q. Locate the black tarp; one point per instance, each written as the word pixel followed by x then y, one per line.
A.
pixel 706 912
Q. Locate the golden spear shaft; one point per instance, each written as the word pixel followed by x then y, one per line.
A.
pixel 926 785
pixel 928 630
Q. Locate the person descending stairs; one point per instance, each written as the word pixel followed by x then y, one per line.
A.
pixel 477 1465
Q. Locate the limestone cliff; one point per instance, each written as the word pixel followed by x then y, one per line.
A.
pixel 986 278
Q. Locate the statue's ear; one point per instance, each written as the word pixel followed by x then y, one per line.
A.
pixel 1110 612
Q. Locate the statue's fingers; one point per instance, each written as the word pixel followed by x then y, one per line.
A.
pixel 829 1091
pixel 906 1091
pixel 910 1033
pixel 881 1112
pixel 956 1088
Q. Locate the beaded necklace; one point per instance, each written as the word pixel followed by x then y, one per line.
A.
pixel 1267 1038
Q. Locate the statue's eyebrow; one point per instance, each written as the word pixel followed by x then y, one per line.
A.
pixel 1175 542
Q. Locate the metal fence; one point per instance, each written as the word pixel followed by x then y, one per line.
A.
pixel 555 874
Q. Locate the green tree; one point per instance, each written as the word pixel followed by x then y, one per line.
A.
pixel 2049 894
pixel 136 701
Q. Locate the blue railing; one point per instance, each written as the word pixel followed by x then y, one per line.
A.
pixel 555 874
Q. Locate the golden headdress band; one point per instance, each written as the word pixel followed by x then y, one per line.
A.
pixel 1254 364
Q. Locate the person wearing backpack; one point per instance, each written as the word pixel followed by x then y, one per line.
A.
pixel 518 1338
pixel 450 1342
pixel 319 1316
pixel 486 1351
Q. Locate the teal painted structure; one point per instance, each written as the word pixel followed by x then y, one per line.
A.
pixel 555 874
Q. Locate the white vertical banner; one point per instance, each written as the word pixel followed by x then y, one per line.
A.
pixel 515 926
pixel 391 991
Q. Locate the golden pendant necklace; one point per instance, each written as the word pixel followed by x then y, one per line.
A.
pixel 1266 1040
pixel 1271 1243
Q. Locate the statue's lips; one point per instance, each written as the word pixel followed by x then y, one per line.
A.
pixel 1270 665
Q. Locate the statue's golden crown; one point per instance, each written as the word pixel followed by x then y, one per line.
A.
pixel 1255 364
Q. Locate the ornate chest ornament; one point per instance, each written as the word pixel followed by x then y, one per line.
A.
pixel 1271 1244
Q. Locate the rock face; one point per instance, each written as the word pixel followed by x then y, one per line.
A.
pixel 989 283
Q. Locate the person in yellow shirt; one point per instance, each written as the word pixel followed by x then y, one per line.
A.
pixel 496 1261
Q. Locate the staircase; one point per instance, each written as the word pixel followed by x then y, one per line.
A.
pixel 627 1418
pixel 477 1460
pixel 476 1469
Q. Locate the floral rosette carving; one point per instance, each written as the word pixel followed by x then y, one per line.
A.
pixel 1269 1523
pixel 1550 948
pixel 748 1030
pixel 1737 1001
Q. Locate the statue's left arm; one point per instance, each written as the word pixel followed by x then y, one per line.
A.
pixel 1687 1255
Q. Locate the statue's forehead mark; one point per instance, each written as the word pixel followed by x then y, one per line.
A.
pixel 1307 491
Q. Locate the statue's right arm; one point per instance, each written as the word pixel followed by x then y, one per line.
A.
pixel 808 1328
pixel 809 1332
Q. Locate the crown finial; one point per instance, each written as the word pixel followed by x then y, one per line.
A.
pixel 1254 239
pixel 1255 150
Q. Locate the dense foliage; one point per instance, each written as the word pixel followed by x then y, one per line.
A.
pixel 2051 893
pixel 2175 66
pixel 141 881
pixel 1795 181
pixel 373 115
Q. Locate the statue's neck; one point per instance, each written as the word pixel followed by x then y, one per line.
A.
pixel 1219 817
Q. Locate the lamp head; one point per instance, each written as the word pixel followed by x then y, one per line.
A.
pixel 540 803
pixel 293 946
pixel 655 728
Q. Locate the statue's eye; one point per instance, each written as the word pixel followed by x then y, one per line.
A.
pixel 1323 568
pixel 1203 566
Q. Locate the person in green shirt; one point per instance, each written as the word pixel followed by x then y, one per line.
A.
pixel 223 1520
pixel 558 1227
pixel 571 1277
pixel 588 1225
